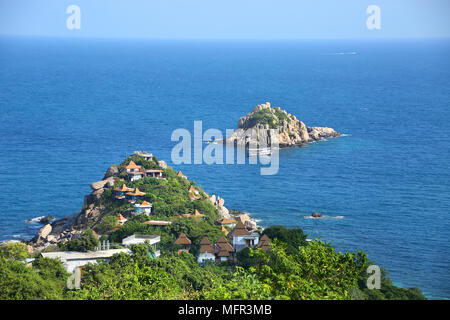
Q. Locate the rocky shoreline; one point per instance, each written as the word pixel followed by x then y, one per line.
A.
pixel 265 126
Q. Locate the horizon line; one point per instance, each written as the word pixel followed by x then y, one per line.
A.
pixel 83 37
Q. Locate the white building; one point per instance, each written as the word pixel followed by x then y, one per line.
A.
pixel 206 252
pixel 241 238
pixel 137 239
pixel 144 207
pixel 74 259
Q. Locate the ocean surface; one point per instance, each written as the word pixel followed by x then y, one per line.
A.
pixel 69 108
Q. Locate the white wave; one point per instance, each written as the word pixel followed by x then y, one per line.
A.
pixel 17 235
pixel 34 220
pixel 346 135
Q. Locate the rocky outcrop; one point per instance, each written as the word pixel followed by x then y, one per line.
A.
pixel 316 215
pixel 219 203
pixel 112 171
pixel 108 182
pixel 265 126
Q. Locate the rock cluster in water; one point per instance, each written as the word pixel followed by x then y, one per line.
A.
pixel 265 125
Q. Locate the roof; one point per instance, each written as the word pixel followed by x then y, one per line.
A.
pixel 136 192
pixel 223 253
pixel 225 230
pixel 132 165
pixel 157 223
pixel 224 244
pixel 123 188
pixel 182 239
pixel 264 243
pixel 239 230
pixel 154 170
pixel 195 214
pixel 75 255
pixel 143 204
pixel 226 221
pixel 205 246
pixel 192 189
pixel 142 238
pixel 193 196
pixel 180 174
pixel 198 214
pixel 120 217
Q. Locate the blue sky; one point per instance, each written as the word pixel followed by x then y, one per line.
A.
pixel 227 19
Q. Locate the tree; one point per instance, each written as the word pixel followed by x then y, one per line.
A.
pixel 294 238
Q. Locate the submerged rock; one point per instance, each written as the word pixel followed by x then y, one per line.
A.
pixel 316 215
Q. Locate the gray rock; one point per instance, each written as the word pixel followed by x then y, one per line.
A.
pixel 112 171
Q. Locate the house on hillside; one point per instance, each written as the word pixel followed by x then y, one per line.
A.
pixel 184 242
pixel 206 251
pixel 119 193
pixel 144 207
pixel 74 259
pixel 180 174
pixel 134 195
pixel 231 223
pixel 147 156
pixel 263 243
pixel 242 238
pixel 224 250
pixel 134 171
pixel 154 173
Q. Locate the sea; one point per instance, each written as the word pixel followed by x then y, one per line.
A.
pixel 71 107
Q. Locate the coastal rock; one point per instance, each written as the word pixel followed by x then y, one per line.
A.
pixel 265 126
pixel 162 164
pixel 102 184
pixel 250 224
pixel 46 220
pixel 316 215
pixel 112 171
pixel 44 231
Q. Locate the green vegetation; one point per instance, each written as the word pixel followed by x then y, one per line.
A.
pixel 273 117
pixel 86 242
pixel 294 238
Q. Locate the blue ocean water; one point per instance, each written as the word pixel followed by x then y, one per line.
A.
pixel 70 108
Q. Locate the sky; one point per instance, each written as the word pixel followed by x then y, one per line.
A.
pixel 227 19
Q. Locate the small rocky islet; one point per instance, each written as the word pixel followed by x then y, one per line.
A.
pixel 265 126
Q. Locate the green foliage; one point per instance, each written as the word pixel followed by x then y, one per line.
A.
pixel 15 250
pixel 316 271
pixel 294 238
pixel 106 225
pixel 86 242
pixel 19 282
pixel 387 290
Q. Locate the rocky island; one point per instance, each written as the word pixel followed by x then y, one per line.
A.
pixel 265 125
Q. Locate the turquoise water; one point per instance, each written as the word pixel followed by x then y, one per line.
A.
pixel 70 108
